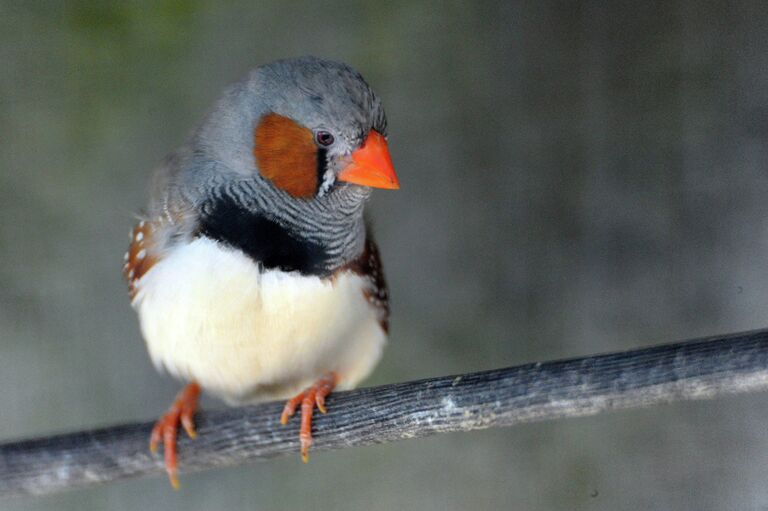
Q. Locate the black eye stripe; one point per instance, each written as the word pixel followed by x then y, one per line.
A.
pixel 322 166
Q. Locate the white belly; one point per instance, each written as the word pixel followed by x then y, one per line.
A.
pixel 209 314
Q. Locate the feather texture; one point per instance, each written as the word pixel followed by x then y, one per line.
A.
pixel 209 313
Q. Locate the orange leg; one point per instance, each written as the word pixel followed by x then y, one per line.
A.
pixel 180 412
pixel 309 398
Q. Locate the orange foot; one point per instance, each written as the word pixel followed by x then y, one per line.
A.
pixel 167 428
pixel 309 398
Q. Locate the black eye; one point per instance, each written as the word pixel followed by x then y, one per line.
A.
pixel 324 138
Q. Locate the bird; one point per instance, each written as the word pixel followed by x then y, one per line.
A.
pixel 253 268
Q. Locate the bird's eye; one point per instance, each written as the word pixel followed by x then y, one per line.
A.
pixel 324 138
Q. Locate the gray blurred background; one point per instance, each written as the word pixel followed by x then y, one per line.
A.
pixel 577 177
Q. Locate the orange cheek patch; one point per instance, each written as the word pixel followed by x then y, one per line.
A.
pixel 286 155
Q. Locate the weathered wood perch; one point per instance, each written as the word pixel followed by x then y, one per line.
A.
pixel 534 392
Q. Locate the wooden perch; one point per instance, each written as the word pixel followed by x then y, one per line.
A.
pixel 533 392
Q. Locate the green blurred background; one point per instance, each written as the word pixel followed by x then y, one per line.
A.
pixel 577 177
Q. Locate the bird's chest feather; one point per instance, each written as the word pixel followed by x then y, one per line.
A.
pixel 210 314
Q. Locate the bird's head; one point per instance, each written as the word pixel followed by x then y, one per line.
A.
pixel 306 126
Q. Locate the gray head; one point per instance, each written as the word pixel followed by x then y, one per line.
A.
pixel 323 95
pixel 299 125
pixel 298 141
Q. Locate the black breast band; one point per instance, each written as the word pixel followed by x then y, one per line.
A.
pixel 262 239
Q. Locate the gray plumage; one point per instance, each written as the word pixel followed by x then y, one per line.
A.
pixel 217 160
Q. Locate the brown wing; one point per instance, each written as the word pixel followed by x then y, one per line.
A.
pixel 368 265
pixel 140 257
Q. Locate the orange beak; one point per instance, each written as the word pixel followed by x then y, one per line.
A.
pixel 371 165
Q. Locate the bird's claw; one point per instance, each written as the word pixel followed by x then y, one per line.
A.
pixel 166 428
pixel 309 398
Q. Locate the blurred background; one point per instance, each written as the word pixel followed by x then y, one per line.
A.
pixel 577 177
